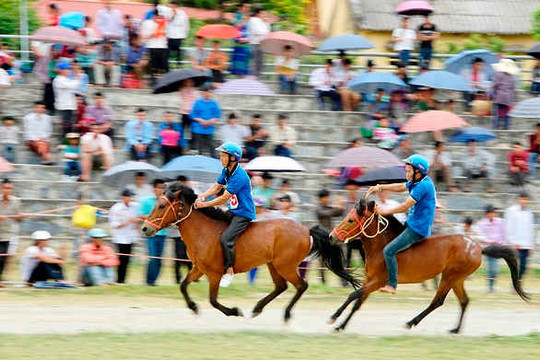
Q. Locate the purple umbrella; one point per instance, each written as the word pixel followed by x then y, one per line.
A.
pixel 414 7
pixel 365 157
pixel 244 87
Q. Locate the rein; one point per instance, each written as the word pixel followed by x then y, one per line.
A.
pixel 171 207
pixel 361 225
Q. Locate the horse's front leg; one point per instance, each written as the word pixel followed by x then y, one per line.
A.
pixel 214 279
pixel 194 274
pixel 360 296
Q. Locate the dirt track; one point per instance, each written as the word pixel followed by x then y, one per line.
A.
pixel 370 322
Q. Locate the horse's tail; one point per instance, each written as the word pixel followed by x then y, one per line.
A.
pixel 331 256
pixel 509 255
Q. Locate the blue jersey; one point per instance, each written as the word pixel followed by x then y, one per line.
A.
pixel 422 213
pixel 238 185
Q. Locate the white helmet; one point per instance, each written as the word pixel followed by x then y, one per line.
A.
pixel 41 235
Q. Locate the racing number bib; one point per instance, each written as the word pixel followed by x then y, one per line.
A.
pixel 233 202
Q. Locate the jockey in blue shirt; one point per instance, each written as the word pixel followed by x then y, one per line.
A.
pixel 421 206
pixel 235 181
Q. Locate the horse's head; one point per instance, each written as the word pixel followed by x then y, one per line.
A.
pixel 351 227
pixel 172 207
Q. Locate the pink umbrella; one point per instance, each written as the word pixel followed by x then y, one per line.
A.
pixel 365 157
pixel 5 165
pixel 414 7
pixel 218 31
pixel 58 35
pixel 433 120
pixel 274 42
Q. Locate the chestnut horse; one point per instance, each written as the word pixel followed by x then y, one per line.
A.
pixel 280 243
pixel 454 256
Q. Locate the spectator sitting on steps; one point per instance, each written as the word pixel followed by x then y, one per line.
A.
pixel 97 260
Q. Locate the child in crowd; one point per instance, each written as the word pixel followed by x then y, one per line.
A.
pixel 9 138
pixel 169 143
pixel 385 135
pixel 81 124
pixel 71 153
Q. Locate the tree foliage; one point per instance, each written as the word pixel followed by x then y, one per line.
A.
pixel 535 26
pixel 477 41
pixel 9 19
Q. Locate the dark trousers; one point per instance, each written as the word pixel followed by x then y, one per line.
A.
pixel 159 63
pixel 334 97
pixel 230 235
pixel 155 246
pixel 44 272
pixel 501 120
pixel 518 178
pixel 170 152
pixel 68 121
pixel 72 168
pixel 281 150
pixel 180 252
pixel 477 175
pixel 204 144
pixel 3 256
pixel 124 261
pixel 175 49
pixel 523 258
pixel 425 56
pixel 140 155
pixel 257 56
pixel 48 97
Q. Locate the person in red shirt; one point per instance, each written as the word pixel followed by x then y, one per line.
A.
pixel 97 260
pixel 519 164
pixel 54 15
pixel 534 150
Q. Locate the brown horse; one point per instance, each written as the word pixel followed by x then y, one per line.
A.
pixel 453 256
pixel 280 243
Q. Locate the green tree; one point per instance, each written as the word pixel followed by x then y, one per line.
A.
pixel 535 26
pixel 9 19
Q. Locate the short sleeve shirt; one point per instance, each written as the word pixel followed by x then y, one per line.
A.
pixel 238 185
pixel 146 206
pixel 422 213
pixel 427 30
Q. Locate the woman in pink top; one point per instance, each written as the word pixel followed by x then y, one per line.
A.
pixel 97 260
pixel 493 229
pixel 188 95
pixel 170 137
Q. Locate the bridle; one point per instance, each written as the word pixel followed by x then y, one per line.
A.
pixel 361 224
pixel 171 206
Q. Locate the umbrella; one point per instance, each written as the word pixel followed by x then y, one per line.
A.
pixel 274 42
pixel 345 42
pixel 414 7
pixel 244 87
pixel 58 35
pixel 464 59
pixel 274 163
pixel 365 157
pixel 479 134
pixel 382 176
pixel 123 174
pixel 369 82
pixel 219 31
pixel 72 20
pixel 529 108
pixel 535 51
pixel 172 80
pixel 433 120
pixel 195 167
pixel 5 166
pixel 440 79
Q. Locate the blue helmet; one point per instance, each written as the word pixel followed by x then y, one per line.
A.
pixel 232 149
pixel 97 233
pixel 418 162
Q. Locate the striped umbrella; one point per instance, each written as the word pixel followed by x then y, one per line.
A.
pixel 244 87
pixel 433 120
pixel 365 157
pixel 58 35
pixel 529 108
pixel 274 42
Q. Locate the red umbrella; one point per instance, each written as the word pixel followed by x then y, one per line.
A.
pixel 58 35
pixel 433 120
pixel 274 42
pixel 415 7
pixel 365 157
pixel 218 31
pixel 5 166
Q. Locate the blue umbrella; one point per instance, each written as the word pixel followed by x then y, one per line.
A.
pixel 382 176
pixel 479 134
pixel 72 20
pixel 369 82
pixel 464 59
pixel 120 175
pixel 345 42
pixel 529 108
pixel 195 167
pixel 443 80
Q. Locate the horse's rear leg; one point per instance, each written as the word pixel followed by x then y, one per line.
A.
pixel 291 275
pixel 280 286
pixel 214 289
pixel 194 274
pixel 438 300
pixel 459 290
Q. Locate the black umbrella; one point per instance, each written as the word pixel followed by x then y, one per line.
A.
pixel 382 176
pixel 535 51
pixel 171 81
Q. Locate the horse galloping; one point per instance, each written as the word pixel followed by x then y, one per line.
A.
pixel 280 243
pixel 454 256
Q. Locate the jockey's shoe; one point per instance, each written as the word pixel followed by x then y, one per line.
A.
pixel 226 280
pixel 388 289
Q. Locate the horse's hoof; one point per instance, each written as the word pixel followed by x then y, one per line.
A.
pixel 255 313
pixel 454 331
pixel 331 321
pixel 287 317
pixel 338 329
pixel 237 312
pixel 409 325
pixel 193 307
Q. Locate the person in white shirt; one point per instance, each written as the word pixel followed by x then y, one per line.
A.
pixel 141 188
pixel 154 36
pixel 177 29
pixel 287 68
pixel 96 151
pixel 325 81
pixel 349 98
pixel 110 22
pixel 88 33
pixel 285 189
pixel 124 221
pixel 283 136
pixel 385 203
pixel 404 39
pixel 233 131
pixel 65 89
pixel 41 262
pixel 519 225
pixel 440 165
pixel 257 30
pixel 37 131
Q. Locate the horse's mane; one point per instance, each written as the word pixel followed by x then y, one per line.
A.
pixel 183 192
